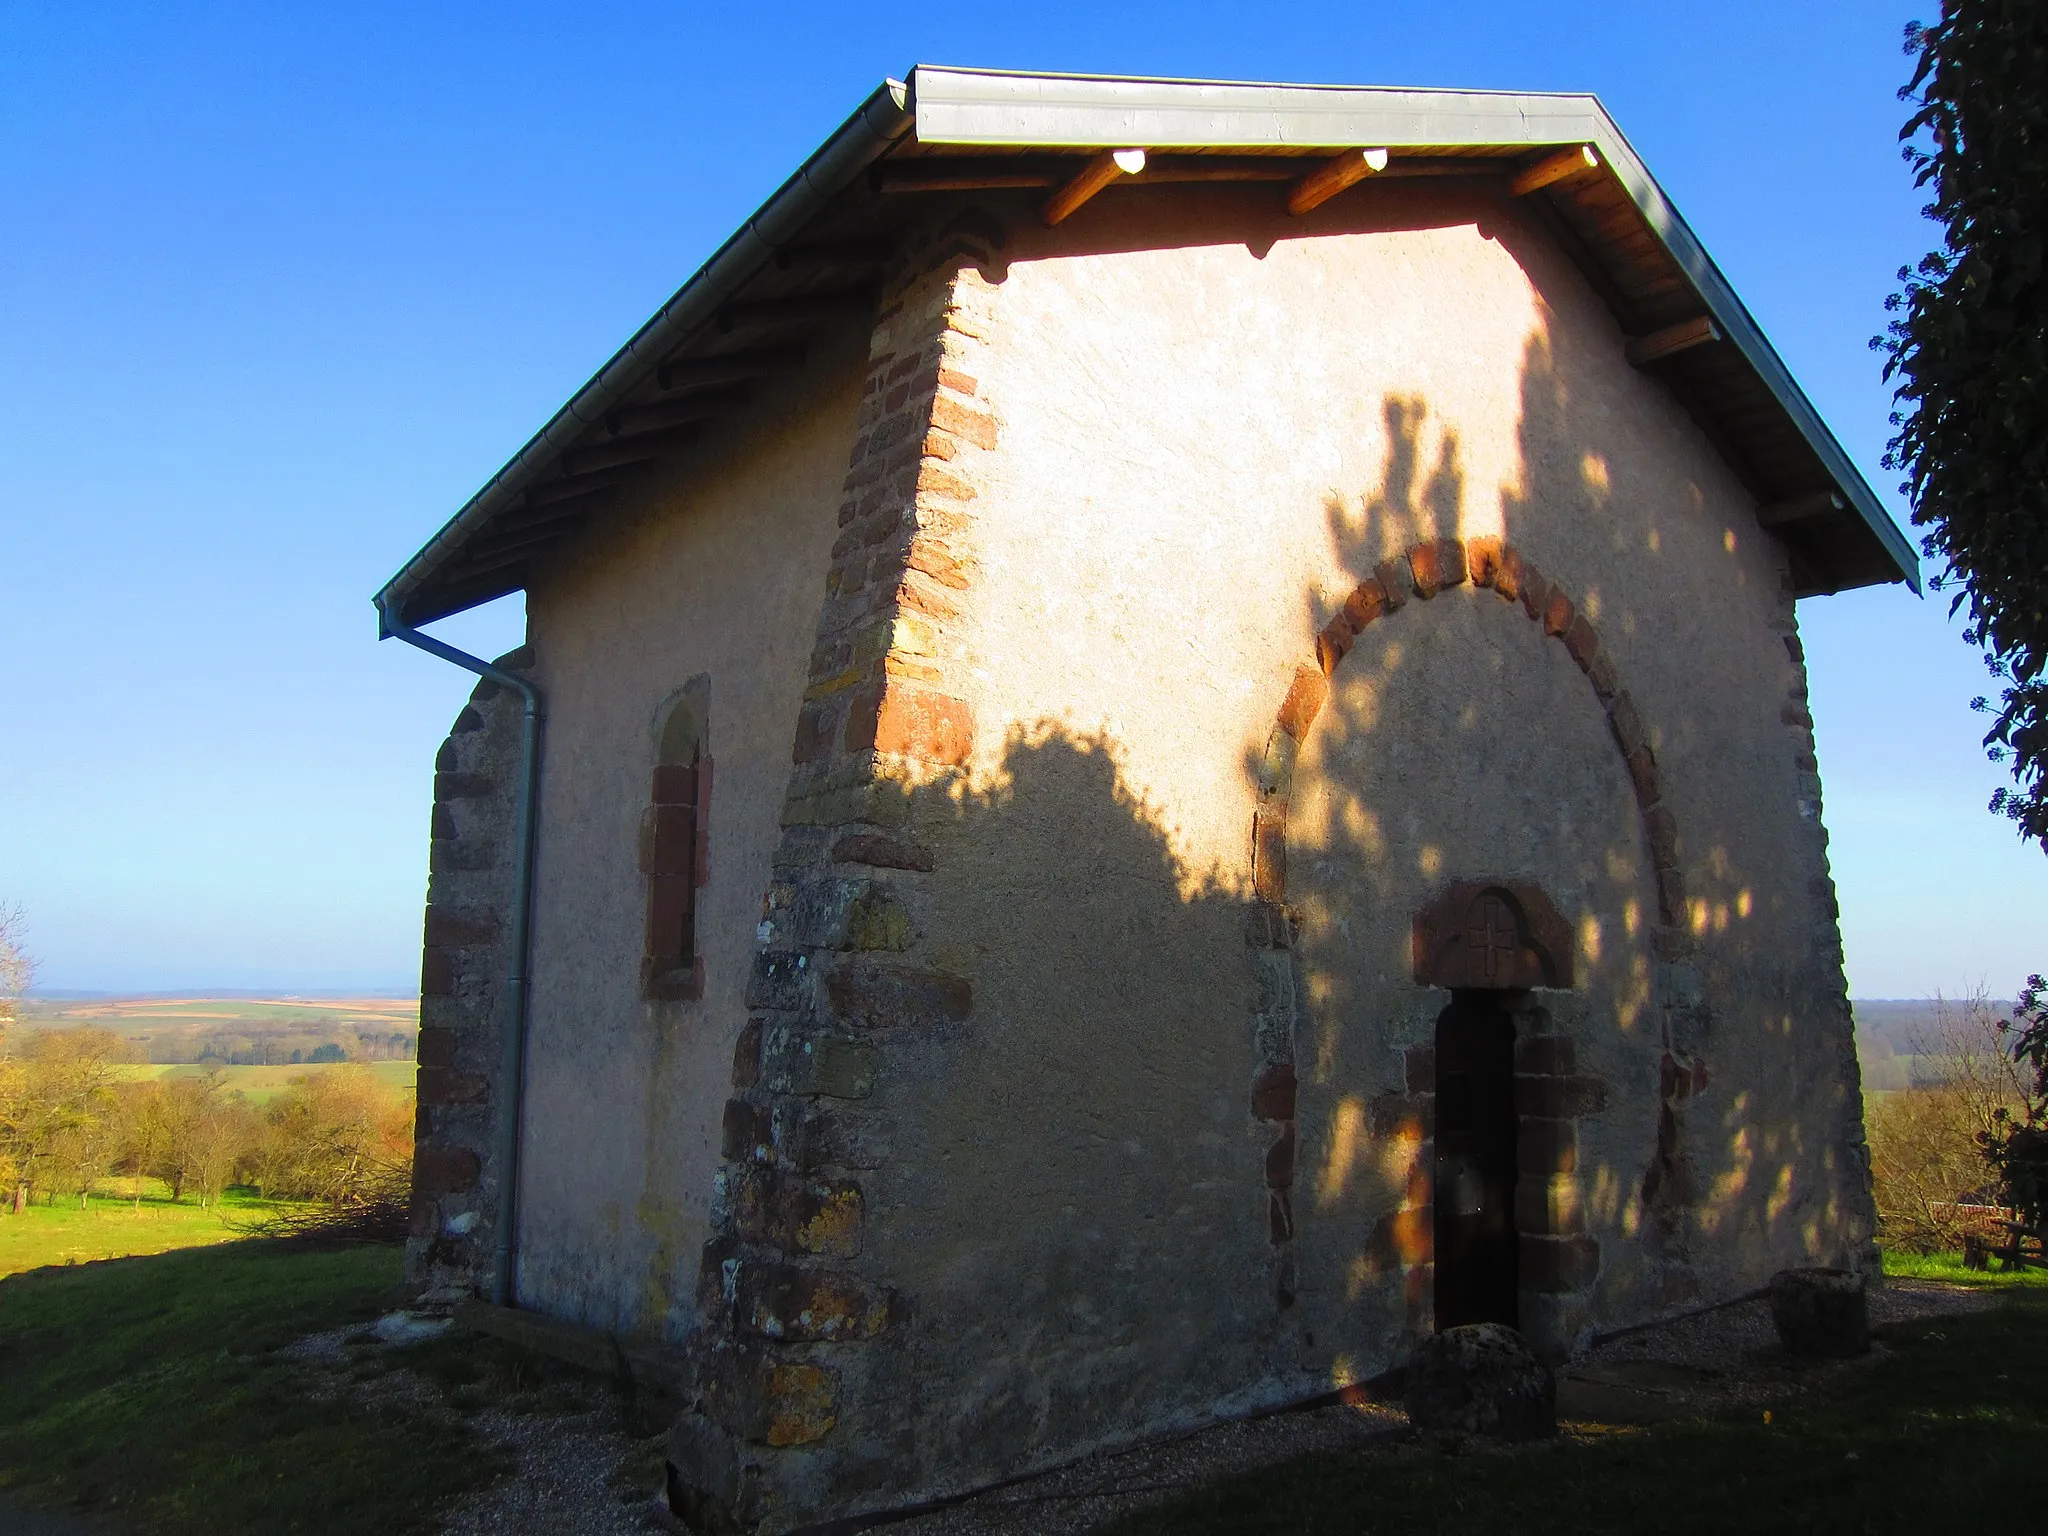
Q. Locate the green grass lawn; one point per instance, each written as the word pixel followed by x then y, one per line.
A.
pixel 149 1389
pixel 1947 1432
pixel 113 1228
pixel 1949 1267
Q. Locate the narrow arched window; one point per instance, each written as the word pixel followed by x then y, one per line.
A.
pixel 672 846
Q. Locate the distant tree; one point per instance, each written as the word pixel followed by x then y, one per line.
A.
pixel 57 1110
pixel 340 1136
pixel 202 1136
pixel 1926 1141
pixel 219 1134
pixel 2017 1144
pixel 145 1137
pixel 1969 352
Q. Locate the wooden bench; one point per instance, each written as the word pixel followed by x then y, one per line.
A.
pixel 2013 1253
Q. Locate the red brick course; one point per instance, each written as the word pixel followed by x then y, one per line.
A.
pixel 1550 1093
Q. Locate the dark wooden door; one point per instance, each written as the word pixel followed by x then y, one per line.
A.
pixel 1476 1248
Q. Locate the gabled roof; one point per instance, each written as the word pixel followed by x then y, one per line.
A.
pixel 813 252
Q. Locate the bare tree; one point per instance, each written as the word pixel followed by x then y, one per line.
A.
pixel 1932 1183
pixel 17 968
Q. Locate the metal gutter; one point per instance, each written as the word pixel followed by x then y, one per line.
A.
pixel 519 943
pixel 970 106
pixel 880 121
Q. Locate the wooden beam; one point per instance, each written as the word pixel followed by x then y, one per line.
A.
pixel 535 513
pixel 1551 168
pixel 1797 509
pixel 632 420
pixel 983 174
pixel 627 450
pixel 495 548
pixel 796 308
pixel 1673 339
pixel 571 486
pixel 727 367
pixel 1111 165
pixel 1333 176
pixel 945 175
pixel 834 253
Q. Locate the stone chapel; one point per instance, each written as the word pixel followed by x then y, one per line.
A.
pixel 1163 744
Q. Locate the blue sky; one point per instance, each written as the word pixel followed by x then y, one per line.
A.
pixel 280 286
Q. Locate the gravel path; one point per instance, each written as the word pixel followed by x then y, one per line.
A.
pixel 580 1472
pixel 577 1471
pixel 1697 1366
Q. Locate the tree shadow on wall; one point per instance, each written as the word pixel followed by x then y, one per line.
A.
pixel 1465 737
pixel 1168 1158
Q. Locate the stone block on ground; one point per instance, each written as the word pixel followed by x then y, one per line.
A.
pixel 1480 1382
pixel 1821 1313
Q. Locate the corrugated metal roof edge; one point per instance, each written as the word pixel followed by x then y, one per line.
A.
pixel 857 143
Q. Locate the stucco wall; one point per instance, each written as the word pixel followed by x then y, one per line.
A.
pixel 713 568
pixel 1214 422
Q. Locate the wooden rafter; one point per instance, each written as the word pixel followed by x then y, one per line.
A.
pixel 1332 177
pixel 1101 170
pixel 571 486
pixel 1797 509
pixel 1673 339
pixel 1575 161
pixel 628 450
pixel 796 308
pixel 726 368
pixel 834 253
pixel 632 420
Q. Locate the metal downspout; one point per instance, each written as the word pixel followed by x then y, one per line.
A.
pixel 512 1062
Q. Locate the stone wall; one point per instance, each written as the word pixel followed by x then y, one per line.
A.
pixel 695 601
pixel 792 1301
pixel 464 1010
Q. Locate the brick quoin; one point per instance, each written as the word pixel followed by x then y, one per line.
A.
pixel 437 973
pixel 458 929
pixel 444 1170
pixel 902 721
pixel 778 1271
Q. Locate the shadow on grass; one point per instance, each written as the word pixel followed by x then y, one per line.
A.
pixel 150 1390
pixel 1935 1436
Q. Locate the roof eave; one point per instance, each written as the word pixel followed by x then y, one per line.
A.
pixel 858 142
pixel 1017 111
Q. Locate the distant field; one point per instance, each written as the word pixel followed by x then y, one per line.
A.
pixel 261 1084
pixel 128 1013
pixel 243 1031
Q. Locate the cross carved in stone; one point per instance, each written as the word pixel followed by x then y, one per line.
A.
pixel 1491 929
